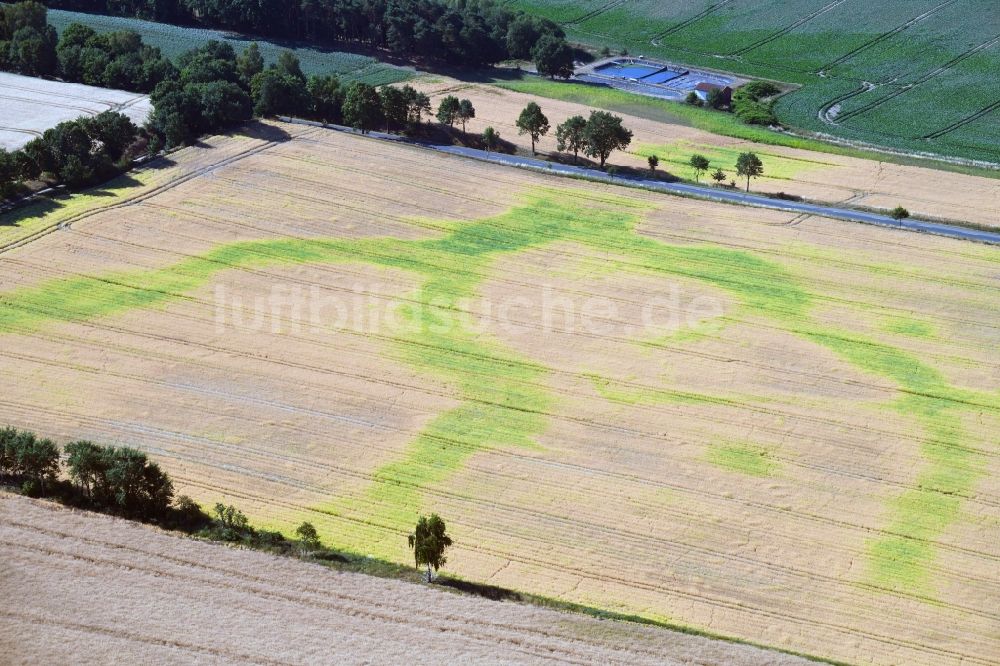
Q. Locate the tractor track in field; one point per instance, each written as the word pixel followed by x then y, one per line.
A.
pixel 632 541
pixel 21 130
pixel 614 4
pixel 573 525
pixel 582 524
pixel 934 73
pixel 342 599
pixel 125 200
pixel 884 36
pixel 81 109
pixel 534 560
pixel 631 385
pixel 964 121
pixel 658 37
pixel 343 604
pixel 506 280
pixel 788 28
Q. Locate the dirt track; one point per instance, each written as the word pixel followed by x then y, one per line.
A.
pixel 83 588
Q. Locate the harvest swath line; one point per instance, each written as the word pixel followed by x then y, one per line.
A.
pixel 856 350
pixel 122 634
pixel 330 460
pixel 348 604
pixel 603 575
pixel 298 506
pixel 521 629
pixel 579 526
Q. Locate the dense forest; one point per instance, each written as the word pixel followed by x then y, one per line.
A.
pixel 466 32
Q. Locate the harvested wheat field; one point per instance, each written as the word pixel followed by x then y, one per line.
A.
pixel 92 589
pixel 776 428
pixel 816 176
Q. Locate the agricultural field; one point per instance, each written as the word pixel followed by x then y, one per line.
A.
pixel 216 604
pixel 914 75
pixel 816 176
pixel 174 40
pixel 31 106
pixel 730 419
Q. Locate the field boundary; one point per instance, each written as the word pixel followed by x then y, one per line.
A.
pixel 966 232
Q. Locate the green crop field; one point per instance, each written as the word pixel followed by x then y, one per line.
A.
pixel 917 75
pixel 174 40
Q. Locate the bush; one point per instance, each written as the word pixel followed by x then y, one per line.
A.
pixel 749 108
pixel 120 480
pixel 757 90
pixel 308 536
pixel 229 524
pixel 754 113
pixel 899 213
pixel 273 541
pixel 186 515
pixel 31 488
pixel 25 457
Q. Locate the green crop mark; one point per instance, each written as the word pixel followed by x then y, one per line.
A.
pixel 908 326
pixel 743 458
pixel 502 398
pixel 678 154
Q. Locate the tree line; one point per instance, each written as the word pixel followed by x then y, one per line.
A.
pixel 469 32
pixel 122 481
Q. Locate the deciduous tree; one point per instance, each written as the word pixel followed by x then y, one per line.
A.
pixel 491 139
pixel 362 107
pixel 749 166
pixel 533 123
pixel 571 136
pixel 429 541
pixel 605 133
pixel 448 110
pixel 553 57
pixel 699 164
pixel 466 112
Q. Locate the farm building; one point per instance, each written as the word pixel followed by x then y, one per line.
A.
pixel 704 88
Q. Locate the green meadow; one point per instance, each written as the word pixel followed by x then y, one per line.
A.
pixel 933 64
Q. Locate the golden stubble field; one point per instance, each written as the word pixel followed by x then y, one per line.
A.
pixel 816 176
pixel 92 589
pixel 774 428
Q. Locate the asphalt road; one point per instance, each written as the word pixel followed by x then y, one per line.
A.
pixel 686 189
